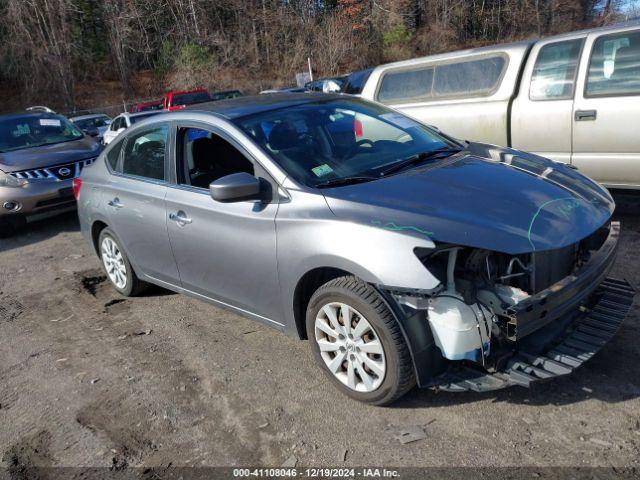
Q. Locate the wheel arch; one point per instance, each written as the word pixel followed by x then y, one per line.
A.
pixel 305 288
pixel 96 228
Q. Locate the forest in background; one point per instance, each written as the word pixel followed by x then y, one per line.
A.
pixel 75 54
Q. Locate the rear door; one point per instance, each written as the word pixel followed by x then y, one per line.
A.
pixel 224 251
pixel 135 202
pixel 541 114
pixel 606 114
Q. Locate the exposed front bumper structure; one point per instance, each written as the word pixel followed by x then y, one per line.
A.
pixel 590 328
pixel 564 296
pixel 556 330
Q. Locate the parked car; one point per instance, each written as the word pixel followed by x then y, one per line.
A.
pixel 39 108
pixel 326 85
pixel 284 90
pixel 124 121
pixel 148 106
pixel 403 255
pixel 180 99
pixel 40 153
pixel 225 94
pixel 572 98
pixel 93 125
pixel 355 82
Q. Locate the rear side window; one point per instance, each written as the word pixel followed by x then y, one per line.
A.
pixel 477 77
pixel 467 78
pixel 615 66
pixel 407 85
pixel 144 153
pixel 554 73
pixel 114 154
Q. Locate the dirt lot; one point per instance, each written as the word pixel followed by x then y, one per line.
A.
pixel 88 378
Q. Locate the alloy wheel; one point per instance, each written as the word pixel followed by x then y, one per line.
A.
pixel 114 263
pixel 350 347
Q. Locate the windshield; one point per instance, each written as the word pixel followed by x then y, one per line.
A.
pixel 325 141
pixel 101 121
pixel 35 131
pixel 191 98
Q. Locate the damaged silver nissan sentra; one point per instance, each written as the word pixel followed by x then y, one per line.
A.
pixel 403 255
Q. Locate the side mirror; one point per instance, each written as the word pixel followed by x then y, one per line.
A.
pixel 235 188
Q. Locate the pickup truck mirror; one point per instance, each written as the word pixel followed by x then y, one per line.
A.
pixel 235 188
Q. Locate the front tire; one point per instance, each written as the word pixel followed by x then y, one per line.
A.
pixel 117 266
pixel 358 343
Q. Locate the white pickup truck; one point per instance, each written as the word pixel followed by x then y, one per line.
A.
pixel 574 98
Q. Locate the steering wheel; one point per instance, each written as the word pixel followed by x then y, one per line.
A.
pixel 357 145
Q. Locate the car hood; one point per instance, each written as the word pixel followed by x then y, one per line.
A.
pixel 49 155
pixel 484 197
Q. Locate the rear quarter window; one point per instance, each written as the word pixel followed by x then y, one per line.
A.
pixel 113 155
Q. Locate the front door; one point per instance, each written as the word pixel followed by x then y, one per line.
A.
pixel 606 129
pixel 224 251
pixel 541 114
pixel 135 203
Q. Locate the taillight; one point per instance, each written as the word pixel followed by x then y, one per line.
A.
pixel 357 128
pixel 77 185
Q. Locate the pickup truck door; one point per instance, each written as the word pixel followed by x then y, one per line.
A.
pixel 606 113
pixel 541 113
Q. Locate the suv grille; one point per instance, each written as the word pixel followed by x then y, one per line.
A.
pixel 57 173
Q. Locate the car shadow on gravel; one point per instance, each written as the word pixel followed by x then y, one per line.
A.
pixel 40 230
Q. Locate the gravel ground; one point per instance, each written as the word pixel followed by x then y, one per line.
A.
pixel 88 378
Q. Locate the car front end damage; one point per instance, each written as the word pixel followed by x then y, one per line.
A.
pixel 498 319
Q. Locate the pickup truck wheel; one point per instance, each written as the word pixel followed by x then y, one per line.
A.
pixel 117 266
pixel 358 343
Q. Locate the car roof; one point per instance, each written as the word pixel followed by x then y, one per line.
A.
pixel 242 106
pixel 17 115
pixel 140 114
pixel 84 117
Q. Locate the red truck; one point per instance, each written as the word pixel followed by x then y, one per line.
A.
pixel 178 100
pixel 148 106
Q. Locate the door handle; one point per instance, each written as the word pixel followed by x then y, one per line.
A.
pixel 585 115
pixel 115 203
pixel 180 217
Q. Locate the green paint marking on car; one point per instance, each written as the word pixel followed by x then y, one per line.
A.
pixel 398 228
pixel 570 204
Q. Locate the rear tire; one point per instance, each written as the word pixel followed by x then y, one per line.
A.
pixel 116 265
pixel 366 358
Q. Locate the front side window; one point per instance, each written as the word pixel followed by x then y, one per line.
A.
pixel 144 153
pixel 615 65
pixel 554 73
pixel 207 157
pixel 329 140
pixel 29 131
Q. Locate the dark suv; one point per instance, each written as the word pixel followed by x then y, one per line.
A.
pixel 40 154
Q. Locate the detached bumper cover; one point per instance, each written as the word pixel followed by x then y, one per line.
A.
pixel 589 331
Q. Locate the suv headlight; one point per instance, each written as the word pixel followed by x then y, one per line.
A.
pixel 7 180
